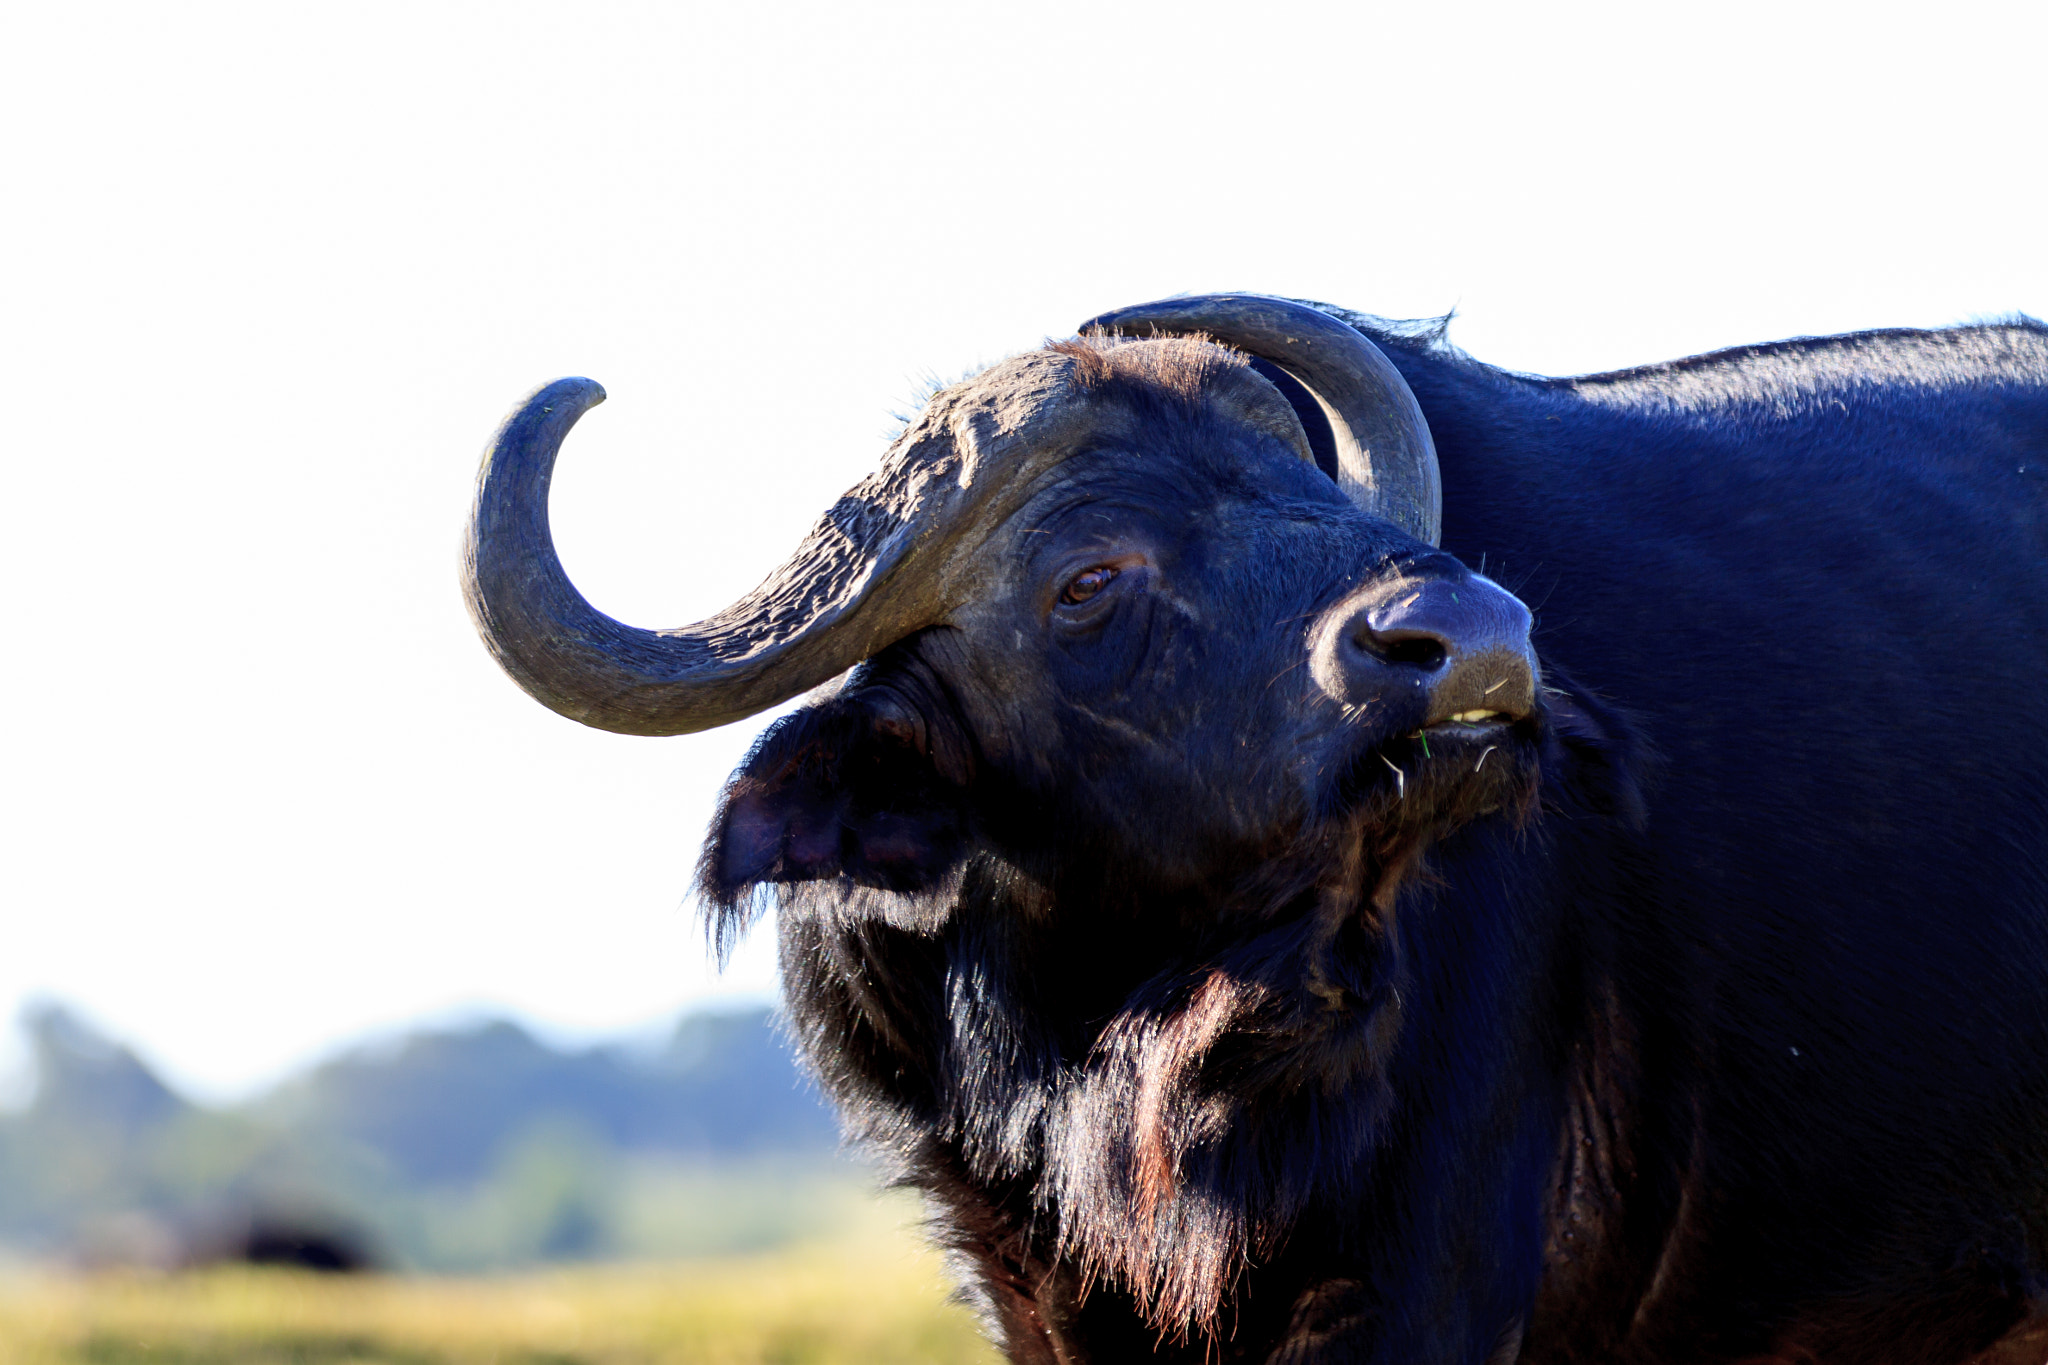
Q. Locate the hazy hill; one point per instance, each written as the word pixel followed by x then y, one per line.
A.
pixel 457 1148
pixel 84 1081
pixel 440 1107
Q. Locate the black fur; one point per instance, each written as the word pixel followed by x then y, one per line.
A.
pixel 1704 1020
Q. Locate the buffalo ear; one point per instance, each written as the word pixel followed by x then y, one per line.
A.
pixel 851 789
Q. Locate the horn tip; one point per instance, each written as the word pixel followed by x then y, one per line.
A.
pixel 584 393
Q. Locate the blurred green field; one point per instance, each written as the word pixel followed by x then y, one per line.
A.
pixel 878 1297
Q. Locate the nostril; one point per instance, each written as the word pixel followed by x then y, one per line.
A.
pixel 1403 649
pixel 1420 652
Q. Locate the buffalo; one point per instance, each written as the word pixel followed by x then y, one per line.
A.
pixel 1306 847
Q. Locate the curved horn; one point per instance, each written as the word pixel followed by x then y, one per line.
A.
pixel 1385 460
pixel 814 618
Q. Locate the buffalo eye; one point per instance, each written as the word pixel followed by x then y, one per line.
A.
pixel 1088 584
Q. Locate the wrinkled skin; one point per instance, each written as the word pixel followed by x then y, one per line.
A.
pixel 1100 711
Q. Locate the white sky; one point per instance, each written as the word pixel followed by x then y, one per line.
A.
pixel 273 273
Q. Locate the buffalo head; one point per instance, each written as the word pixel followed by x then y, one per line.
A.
pixel 1158 605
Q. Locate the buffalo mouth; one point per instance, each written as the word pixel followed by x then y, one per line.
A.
pixel 1477 720
pixel 1438 749
pixel 1467 765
